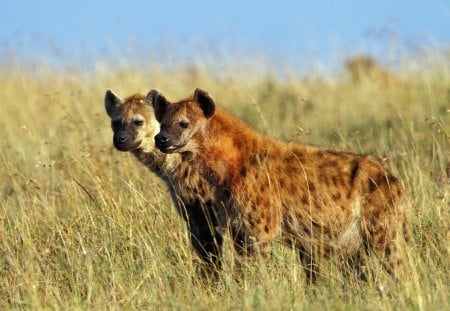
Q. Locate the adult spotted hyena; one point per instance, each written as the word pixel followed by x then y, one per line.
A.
pixel 134 127
pixel 322 202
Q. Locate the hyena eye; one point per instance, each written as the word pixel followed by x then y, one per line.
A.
pixel 184 124
pixel 116 123
pixel 138 122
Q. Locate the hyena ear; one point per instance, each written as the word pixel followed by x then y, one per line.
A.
pixel 156 99
pixel 206 102
pixel 112 102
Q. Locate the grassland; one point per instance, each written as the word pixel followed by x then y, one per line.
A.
pixel 83 226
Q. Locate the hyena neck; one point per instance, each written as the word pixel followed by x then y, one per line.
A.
pixel 159 163
pixel 223 145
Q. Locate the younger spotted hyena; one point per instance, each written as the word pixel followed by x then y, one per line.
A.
pixel 134 127
pixel 322 202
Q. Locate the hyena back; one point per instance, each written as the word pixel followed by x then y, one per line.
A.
pixel 321 202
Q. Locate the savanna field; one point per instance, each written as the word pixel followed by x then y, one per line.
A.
pixel 84 226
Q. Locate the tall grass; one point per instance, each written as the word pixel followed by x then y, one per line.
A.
pixel 83 226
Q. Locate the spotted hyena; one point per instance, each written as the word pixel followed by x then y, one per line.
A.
pixel 320 201
pixel 134 126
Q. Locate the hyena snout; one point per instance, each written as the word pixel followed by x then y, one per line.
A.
pixel 125 141
pixel 161 138
pixel 163 142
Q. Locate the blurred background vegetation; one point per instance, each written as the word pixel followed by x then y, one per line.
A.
pixel 84 226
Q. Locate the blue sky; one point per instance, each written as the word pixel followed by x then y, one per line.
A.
pixel 289 30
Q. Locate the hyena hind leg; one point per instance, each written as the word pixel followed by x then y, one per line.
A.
pixel 385 239
pixel 247 246
pixel 384 222
pixel 354 266
pixel 310 265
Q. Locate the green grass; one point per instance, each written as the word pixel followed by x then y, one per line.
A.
pixel 83 226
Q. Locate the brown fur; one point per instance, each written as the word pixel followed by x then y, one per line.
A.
pixel 320 201
pixel 192 195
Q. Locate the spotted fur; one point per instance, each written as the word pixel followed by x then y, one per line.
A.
pixel 322 202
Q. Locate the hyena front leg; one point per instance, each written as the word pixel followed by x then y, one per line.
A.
pixel 248 249
pixel 255 228
pixel 247 245
pixel 205 239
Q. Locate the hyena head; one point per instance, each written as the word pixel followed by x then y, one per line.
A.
pixel 180 121
pixel 132 120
